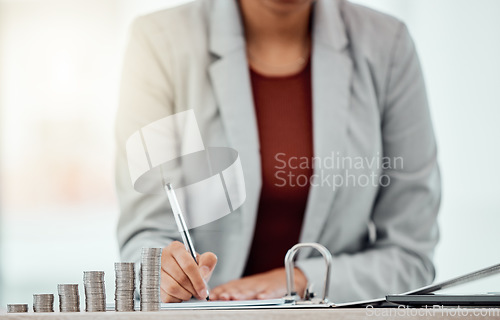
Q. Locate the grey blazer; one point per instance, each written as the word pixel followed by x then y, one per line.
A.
pixel 369 102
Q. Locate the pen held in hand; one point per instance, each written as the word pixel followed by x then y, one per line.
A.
pixel 181 224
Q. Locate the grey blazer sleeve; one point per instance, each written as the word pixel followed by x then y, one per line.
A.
pixel 405 212
pixel 145 96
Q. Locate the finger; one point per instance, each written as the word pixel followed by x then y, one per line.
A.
pixel 242 293
pixel 235 295
pixel 171 268
pixel 225 296
pixel 270 293
pixel 219 293
pixel 215 293
pixel 246 295
pixel 214 296
pixel 207 263
pixel 230 294
pixel 175 272
pixel 174 289
pixel 190 268
pixel 235 290
pixel 165 297
pixel 264 295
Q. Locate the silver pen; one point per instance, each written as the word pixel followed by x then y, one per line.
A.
pixel 181 223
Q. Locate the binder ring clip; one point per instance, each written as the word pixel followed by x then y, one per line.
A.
pixel 290 265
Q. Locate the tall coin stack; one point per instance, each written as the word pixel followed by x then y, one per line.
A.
pixel 69 298
pixel 17 308
pixel 150 279
pixel 95 293
pixel 124 286
pixel 43 302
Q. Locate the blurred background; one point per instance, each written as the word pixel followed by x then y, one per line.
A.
pixel 60 64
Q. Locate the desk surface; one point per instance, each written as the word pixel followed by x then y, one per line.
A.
pixel 308 314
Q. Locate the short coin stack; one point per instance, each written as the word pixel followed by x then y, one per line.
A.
pixel 43 302
pixel 124 286
pixel 69 298
pixel 150 279
pixel 17 308
pixel 95 293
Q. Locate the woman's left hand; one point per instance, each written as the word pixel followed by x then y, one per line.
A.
pixel 267 285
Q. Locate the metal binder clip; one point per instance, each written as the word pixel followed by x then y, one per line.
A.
pixel 290 265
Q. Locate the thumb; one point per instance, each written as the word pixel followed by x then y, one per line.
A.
pixel 207 262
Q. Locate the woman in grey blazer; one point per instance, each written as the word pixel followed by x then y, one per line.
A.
pixel 376 211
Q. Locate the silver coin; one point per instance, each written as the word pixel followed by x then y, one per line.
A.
pixel 149 274
pixel 44 296
pixel 17 308
pixel 95 291
pixel 69 298
pixel 124 265
pixel 43 302
pixel 147 307
pixel 93 273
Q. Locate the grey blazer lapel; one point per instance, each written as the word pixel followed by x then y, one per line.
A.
pixel 230 78
pixel 331 80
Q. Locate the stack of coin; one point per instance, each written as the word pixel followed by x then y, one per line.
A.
pixel 17 308
pixel 150 279
pixel 43 302
pixel 69 298
pixel 95 293
pixel 124 286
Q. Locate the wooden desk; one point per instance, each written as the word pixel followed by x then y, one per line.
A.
pixel 317 314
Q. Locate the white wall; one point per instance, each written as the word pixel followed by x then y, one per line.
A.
pixel 60 63
pixel 59 75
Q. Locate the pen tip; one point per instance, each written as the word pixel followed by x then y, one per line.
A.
pixel 208 298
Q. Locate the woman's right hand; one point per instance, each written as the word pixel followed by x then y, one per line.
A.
pixel 181 277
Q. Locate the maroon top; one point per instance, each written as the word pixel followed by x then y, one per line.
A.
pixel 283 106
